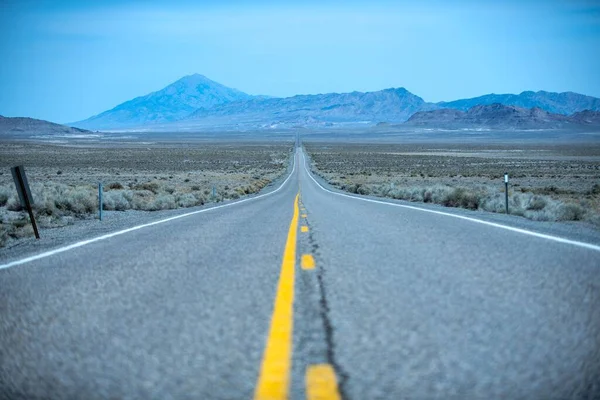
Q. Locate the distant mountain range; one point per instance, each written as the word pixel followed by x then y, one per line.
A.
pixel 559 103
pixel 25 127
pixel 500 116
pixel 195 101
pixel 390 104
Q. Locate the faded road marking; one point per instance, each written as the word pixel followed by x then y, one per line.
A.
pixel 304 228
pixel 321 383
pixel 308 262
pixel 274 378
pixel 304 215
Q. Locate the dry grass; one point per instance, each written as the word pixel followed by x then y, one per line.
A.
pixel 549 183
pixel 64 179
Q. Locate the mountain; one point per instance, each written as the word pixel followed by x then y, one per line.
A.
pixel 496 116
pixel 394 105
pixel 21 127
pixel 559 103
pixel 587 117
pixel 174 102
pixel 197 103
pixel 438 117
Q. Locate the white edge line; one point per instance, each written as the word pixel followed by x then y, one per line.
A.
pixel 135 228
pixel 479 221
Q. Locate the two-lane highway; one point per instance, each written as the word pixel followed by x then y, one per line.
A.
pixel 305 293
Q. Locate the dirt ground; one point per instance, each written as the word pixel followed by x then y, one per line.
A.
pixel 565 173
pixel 199 163
pixel 64 178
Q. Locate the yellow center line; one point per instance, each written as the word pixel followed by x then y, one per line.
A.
pixel 308 262
pixel 321 383
pixel 274 377
pixel 304 228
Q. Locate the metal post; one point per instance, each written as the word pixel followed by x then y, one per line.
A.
pixel 506 190
pixel 27 202
pixel 214 193
pixel 100 200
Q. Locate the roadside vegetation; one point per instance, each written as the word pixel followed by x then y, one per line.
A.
pixel 64 180
pixel 548 183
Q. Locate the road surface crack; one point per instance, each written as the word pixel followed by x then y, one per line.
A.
pixel 329 330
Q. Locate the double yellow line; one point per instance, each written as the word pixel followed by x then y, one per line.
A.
pixel 274 378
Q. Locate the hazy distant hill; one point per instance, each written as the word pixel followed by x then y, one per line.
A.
pixel 174 102
pixel 394 105
pixel 560 103
pixel 499 116
pixel 18 126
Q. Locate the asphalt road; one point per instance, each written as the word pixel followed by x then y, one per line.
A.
pixel 325 297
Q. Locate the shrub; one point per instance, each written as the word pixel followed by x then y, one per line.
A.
pixel 116 200
pixel 570 212
pixel 20 223
pixel 362 189
pixel 187 200
pixel 493 203
pixel 460 197
pixel 13 203
pixel 81 201
pixel 548 190
pixel 151 186
pixel 536 203
pixel 436 194
pixel 5 230
pixel 200 199
pixel 410 194
pixel 352 187
pixel 140 199
pixel 115 186
pixel 5 193
pixel 163 202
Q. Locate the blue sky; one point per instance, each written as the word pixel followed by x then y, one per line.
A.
pixel 65 60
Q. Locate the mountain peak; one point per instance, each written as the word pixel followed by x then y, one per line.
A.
pixel 173 102
pixel 400 90
pixel 194 81
pixel 194 78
